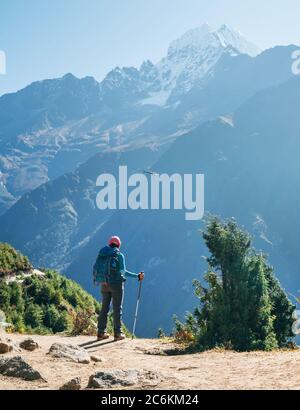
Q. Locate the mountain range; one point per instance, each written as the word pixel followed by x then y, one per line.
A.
pixel 215 104
pixel 51 126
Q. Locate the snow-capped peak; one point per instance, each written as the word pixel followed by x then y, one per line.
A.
pixel 189 62
pixel 204 36
pixel 192 57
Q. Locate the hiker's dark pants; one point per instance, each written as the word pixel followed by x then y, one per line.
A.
pixel 114 293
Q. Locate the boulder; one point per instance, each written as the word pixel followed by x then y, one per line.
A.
pixel 122 378
pixel 74 384
pixel 29 344
pixel 17 367
pixel 69 352
pixel 111 378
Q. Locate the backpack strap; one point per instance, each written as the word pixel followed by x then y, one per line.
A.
pixel 108 269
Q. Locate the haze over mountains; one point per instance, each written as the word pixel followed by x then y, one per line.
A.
pixel 49 127
pixel 213 105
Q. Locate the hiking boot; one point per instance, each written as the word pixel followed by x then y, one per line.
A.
pixel 102 336
pixel 119 337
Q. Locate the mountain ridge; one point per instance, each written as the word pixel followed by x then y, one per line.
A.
pixel 38 145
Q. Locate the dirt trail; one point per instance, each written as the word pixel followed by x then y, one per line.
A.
pixel 210 370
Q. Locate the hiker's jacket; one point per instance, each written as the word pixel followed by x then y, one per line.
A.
pixel 121 273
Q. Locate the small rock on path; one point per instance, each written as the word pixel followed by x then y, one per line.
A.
pixel 74 384
pixel 29 344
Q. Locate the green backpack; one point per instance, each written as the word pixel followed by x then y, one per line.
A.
pixel 107 266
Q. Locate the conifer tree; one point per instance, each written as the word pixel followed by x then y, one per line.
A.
pixel 243 305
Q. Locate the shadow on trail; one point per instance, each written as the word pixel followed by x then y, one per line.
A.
pixel 88 343
pixel 94 345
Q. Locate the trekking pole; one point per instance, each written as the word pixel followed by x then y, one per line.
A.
pixel 137 309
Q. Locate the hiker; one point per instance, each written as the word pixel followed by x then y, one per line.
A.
pixel 110 272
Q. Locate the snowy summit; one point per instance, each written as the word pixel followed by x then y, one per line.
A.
pixel 189 60
pixel 194 55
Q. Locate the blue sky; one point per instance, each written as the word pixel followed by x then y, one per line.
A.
pixel 48 38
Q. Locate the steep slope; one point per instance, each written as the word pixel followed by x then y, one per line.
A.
pixel 42 303
pixel 54 221
pixel 47 103
pixel 12 262
pixel 35 124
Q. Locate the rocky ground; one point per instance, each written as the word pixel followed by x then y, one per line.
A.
pixel 138 364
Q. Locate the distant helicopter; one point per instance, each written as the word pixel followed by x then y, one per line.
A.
pixel 150 172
